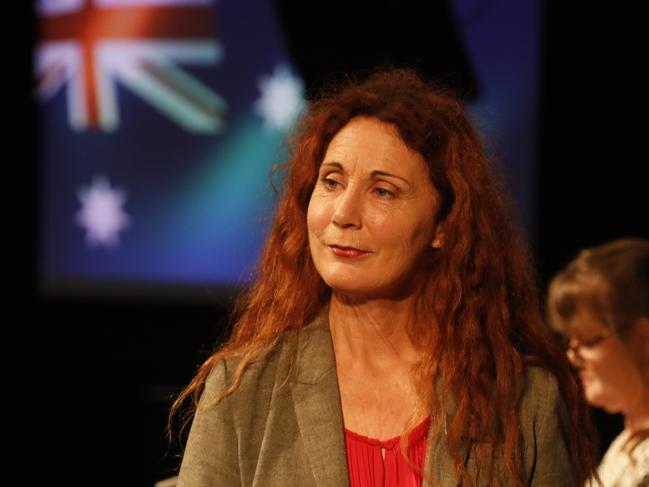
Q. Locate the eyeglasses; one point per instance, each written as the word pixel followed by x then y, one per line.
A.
pixel 575 345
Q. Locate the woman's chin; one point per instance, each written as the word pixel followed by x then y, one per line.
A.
pixel 349 289
pixel 352 283
pixel 595 398
pixel 356 290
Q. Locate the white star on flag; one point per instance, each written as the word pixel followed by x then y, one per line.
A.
pixel 281 98
pixel 101 213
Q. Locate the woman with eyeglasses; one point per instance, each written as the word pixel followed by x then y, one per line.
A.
pixel 600 304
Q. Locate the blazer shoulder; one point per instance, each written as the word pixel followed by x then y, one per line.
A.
pixel 295 356
pixel 541 397
pixel 257 378
pixel 544 420
pixel 539 382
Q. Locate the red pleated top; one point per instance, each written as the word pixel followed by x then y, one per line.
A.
pixel 367 468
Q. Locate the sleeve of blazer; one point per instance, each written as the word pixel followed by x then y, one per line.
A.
pixel 211 454
pixel 553 467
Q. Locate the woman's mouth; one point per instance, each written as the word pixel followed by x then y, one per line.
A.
pixel 347 251
pixel 585 378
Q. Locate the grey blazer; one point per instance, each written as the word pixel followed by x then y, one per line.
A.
pixel 295 436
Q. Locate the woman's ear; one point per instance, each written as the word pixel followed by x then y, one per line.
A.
pixel 438 241
pixel 642 333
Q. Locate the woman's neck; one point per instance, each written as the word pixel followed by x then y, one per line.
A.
pixel 637 417
pixel 372 334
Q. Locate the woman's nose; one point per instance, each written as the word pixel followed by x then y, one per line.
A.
pixel 573 356
pixel 348 210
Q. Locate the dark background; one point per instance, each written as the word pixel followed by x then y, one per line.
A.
pixel 87 382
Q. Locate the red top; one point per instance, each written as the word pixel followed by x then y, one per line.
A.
pixel 367 467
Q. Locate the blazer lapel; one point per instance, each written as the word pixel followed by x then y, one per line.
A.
pixel 439 463
pixel 316 398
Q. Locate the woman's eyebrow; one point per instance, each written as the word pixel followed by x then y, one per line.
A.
pixel 377 173
pixel 374 174
pixel 337 165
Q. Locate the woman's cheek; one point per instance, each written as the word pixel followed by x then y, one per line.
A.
pixel 318 214
pixel 381 226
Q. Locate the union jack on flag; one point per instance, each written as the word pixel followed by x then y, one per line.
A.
pixel 89 46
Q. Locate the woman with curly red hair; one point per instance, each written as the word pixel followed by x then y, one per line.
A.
pixel 393 333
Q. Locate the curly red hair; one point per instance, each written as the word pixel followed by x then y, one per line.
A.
pixel 483 321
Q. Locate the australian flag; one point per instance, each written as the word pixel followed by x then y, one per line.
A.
pixel 160 122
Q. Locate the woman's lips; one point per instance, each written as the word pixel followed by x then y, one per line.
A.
pixel 585 378
pixel 347 251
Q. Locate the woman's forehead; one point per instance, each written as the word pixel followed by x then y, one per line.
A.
pixel 585 323
pixel 370 144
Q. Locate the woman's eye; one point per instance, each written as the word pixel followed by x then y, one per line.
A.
pixel 382 192
pixel 593 342
pixel 330 183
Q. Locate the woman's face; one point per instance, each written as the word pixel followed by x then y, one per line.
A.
pixel 611 378
pixel 371 217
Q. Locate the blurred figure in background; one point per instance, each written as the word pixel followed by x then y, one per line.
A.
pixel 600 304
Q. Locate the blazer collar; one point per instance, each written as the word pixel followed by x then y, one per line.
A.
pixel 316 398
